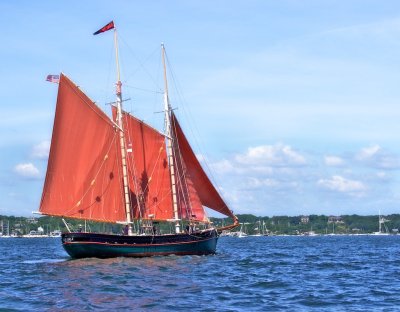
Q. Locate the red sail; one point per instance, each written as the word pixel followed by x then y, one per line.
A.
pixel 206 191
pixel 149 178
pixel 189 203
pixel 83 177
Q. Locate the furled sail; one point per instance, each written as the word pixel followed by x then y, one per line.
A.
pixel 195 175
pixel 83 177
pixel 149 178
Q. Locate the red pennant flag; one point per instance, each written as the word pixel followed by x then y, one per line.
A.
pixel 109 26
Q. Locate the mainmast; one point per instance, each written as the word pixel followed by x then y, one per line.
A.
pixel 167 108
pixel 122 139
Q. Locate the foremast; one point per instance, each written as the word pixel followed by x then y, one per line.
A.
pixel 122 140
pixel 168 109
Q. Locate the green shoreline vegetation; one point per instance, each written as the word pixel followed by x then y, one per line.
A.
pixel 277 225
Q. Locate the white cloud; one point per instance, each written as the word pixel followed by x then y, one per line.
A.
pixel 368 152
pixel 333 161
pixel 253 183
pixel 381 175
pixel 41 150
pixel 201 158
pixel 267 173
pixel 223 166
pixel 343 185
pixel 278 155
pixel 377 157
pixel 27 170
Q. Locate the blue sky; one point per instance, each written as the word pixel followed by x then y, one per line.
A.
pixel 294 105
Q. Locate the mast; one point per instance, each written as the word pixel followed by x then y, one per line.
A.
pixel 122 139
pixel 167 108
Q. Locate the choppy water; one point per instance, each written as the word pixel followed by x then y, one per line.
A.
pixel 337 273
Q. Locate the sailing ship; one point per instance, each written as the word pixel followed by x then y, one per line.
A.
pixel 121 170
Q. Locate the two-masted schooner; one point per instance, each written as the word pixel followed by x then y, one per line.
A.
pixel 121 170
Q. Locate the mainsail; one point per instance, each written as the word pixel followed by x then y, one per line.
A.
pixel 83 172
pixel 149 179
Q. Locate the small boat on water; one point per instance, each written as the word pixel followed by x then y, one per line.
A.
pixel 260 229
pixel 121 170
pixel 56 233
pixel 383 230
pixel 242 231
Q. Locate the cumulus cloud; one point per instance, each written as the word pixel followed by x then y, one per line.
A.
pixel 381 175
pixel 333 161
pixel 278 155
pixel 377 157
pixel 267 173
pixel 368 152
pixel 41 150
pixel 27 170
pixel 253 183
pixel 342 185
pixel 223 166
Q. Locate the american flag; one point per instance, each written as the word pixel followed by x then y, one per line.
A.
pixel 53 78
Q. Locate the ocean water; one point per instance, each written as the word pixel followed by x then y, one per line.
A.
pixel 323 273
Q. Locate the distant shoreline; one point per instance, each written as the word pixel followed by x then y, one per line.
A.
pixel 307 225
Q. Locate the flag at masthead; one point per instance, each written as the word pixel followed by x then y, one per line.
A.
pixel 109 26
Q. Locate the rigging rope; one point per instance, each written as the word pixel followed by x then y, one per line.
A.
pixel 193 124
pixel 141 63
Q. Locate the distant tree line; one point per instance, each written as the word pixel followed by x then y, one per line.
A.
pixel 22 225
pixel 319 224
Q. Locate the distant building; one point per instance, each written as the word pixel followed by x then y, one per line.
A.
pixel 304 219
pixel 335 219
pixel 32 220
pixel 4 227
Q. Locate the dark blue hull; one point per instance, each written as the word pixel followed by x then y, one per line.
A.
pixel 86 245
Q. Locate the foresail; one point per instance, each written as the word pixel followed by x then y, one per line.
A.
pixel 189 203
pixel 83 178
pixel 149 179
pixel 205 190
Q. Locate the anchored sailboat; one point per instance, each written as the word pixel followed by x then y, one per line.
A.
pixel 383 230
pixel 121 170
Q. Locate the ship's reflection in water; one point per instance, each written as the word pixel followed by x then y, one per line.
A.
pixel 119 283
